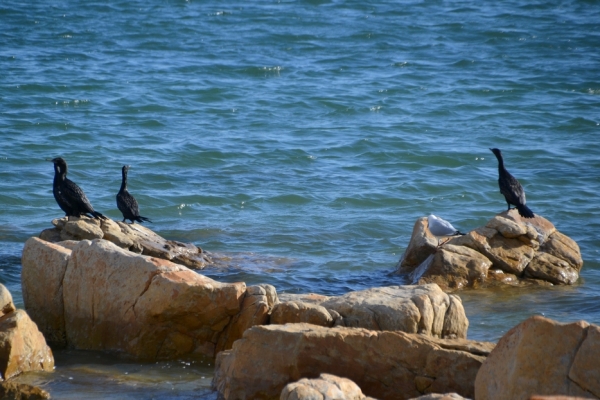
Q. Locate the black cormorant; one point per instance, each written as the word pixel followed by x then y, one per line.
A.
pixel 127 203
pixel 511 188
pixel 68 195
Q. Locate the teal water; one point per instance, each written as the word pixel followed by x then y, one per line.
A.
pixel 304 138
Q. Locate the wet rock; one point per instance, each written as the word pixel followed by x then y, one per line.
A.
pixel 22 346
pixel 326 386
pixel 507 250
pixel 21 391
pixel 542 357
pixel 384 364
pixel 133 237
pixel 116 300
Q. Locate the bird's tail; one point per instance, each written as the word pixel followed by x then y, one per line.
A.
pixel 141 219
pixel 459 233
pixel 524 211
pixel 97 215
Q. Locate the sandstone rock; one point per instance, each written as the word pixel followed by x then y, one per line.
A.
pixel 298 311
pixel 44 266
pixel 6 302
pixel 453 267
pixel 508 250
pixel 116 300
pixel 134 237
pixel 384 364
pixel 326 386
pixel 22 346
pixel 257 304
pixel 82 228
pixel 438 396
pixel 542 357
pixel 422 244
pixel 21 391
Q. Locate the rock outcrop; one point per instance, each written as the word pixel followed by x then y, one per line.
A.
pixel 101 297
pixel 384 364
pixel 508 249
pixel 542 357
pixel 133 237
pixel 424 309
pixel 326 386
pixel 22 346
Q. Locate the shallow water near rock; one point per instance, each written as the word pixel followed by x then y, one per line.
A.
pixel 300 141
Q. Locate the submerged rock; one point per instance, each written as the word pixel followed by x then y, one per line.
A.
pixel 22 346
pixel 133 237
pixel 542 357
pixel 508 249
pixel 424 309
pixel 384 364
pixel 21 391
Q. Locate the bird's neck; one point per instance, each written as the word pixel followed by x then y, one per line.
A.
pixel 124 183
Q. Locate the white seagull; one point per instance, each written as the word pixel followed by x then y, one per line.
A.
pixel 441 227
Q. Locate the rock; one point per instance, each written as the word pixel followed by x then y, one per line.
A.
pixel 133 237
pixel 411 309
pixel 384 364
pixel 422 244
pixel 326 386
pixel 257 304
pixel 116 300
pixel 43 268
pixel 21 391
pixel 542 357
pixel 6 302
pixel 453 267
pixel 507 250
pixel 438 396
pixel 22 346
pixel 298 311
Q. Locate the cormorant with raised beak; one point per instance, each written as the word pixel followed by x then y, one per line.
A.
pixel 511 188
pixel 68 195
pixel 126 203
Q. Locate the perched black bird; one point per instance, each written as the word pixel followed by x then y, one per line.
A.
pixel 68 195
pixel 127 204
pixel 511 188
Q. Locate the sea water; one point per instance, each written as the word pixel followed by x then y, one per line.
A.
pixel 301 140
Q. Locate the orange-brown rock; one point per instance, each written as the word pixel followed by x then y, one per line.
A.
pixel 44 266
pixel 22 346
pixel 384 364
pixel 114 299
pixel 326 386
pixel 508 249
pixel 6 302
pixel 257 305
pixel 542 357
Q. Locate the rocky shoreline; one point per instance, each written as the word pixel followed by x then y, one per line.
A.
pixel 109 286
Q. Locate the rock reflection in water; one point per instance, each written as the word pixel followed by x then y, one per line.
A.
pixel 93 375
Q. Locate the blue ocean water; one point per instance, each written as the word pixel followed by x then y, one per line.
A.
pixel 302 139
